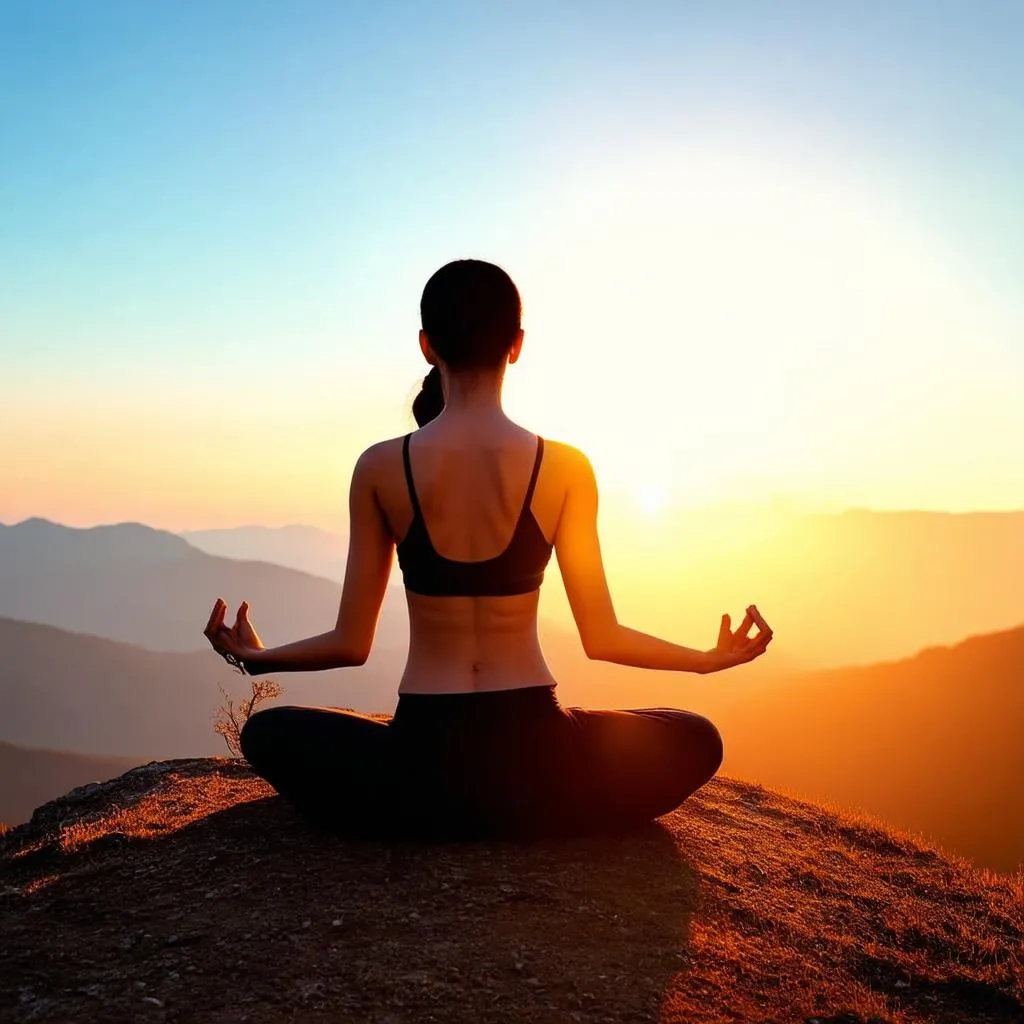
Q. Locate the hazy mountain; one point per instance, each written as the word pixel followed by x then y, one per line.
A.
pixel 933 743
pixel 906 579
pixel 153 589
pixel 29 778
pixel 90 695
pixel 850 588
pixel 305 548
pixel 87 694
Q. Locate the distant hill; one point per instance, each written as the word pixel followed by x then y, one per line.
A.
pixel 87 694
pixel 150 589
pixel 90 695
pixel 907 579
pixel 944 576
pixel 29 778
pixel 153 589
pixel 304 548
pixel 185 891
pixel 933 743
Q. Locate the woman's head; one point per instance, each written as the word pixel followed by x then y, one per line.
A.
pixel 470 314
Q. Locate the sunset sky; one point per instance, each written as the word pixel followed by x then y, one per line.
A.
pixel 768 251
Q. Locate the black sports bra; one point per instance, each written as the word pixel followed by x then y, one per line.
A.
pixel 519 569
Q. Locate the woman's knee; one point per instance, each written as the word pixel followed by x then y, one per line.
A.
pixel 700 746
pixel 712 746
pixel 261 736
pixel 690 742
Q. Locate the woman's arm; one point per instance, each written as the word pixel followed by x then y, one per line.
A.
pixel 370 552
pixel 604 639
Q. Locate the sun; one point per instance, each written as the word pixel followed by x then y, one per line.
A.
pixel 651 498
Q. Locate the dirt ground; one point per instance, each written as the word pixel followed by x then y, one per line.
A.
pixel 186 892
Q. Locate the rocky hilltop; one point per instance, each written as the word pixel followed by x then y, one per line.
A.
pixel 184 891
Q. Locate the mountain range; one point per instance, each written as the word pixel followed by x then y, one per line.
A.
pixel 153 589
pixel 103 656
pixel 907 579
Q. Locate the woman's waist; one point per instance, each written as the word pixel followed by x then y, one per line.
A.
pixel 511 705
pixel 458 665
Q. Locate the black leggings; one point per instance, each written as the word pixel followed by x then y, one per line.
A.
pixel 499 763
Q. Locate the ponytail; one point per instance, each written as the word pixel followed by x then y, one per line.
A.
pixel 427 405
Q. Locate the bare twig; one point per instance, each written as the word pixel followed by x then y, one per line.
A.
pixel 230 717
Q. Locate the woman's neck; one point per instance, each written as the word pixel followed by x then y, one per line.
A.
pixel 472 393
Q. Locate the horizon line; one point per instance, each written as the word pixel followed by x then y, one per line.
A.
pixel 846 510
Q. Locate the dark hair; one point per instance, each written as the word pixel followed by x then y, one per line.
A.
pixel 471 312
pixel 429 402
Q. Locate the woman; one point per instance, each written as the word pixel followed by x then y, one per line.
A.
pixel 474 504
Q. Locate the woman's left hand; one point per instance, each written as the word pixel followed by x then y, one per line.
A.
pixel 236 644
pixel 738 648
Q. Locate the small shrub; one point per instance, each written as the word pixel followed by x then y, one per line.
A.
pixel 230 717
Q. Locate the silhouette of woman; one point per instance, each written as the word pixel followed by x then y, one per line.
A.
pixel 473 504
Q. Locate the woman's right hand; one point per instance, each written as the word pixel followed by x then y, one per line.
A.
pixel 238 644
pixel 737 648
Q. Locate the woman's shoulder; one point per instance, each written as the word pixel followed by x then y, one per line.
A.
pixel 379 456
pixel 559 457
pixel 566 456
pixel 383 450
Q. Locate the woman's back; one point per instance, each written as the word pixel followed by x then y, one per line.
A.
pixel 490 497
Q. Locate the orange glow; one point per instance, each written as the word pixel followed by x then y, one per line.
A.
pixel 706 328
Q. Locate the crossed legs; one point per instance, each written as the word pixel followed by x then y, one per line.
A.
pixel 573 771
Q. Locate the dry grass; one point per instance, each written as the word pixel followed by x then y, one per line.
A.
pixel 161 811
pixel 855 911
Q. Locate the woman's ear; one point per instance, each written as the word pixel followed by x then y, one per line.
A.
pixel 428 352
pixel 517 347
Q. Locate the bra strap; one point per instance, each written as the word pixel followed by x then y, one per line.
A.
pixel 408 479
pixel 536 469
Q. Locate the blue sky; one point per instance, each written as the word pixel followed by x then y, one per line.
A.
pixel 184 186
pixel 176 158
